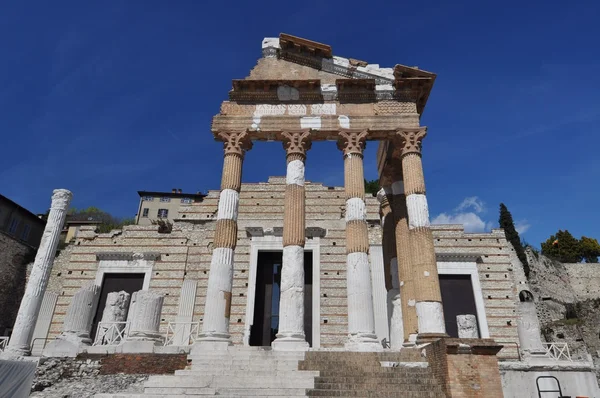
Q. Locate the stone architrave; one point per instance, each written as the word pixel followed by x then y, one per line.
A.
pixel 429 308
pixel 115 310
pixel 291 305
pixel 217 309
pixel 77 324
pixel 361 317
pixel 467 326
pixel 20 341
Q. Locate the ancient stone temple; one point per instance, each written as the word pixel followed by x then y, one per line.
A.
pixel 291 285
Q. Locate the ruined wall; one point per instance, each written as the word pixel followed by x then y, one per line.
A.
pixel 14 257
pixel 186 252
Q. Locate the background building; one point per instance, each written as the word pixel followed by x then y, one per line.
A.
pixel 163 205
pixel 20 235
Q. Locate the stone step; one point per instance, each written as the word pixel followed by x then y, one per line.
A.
pixel 376 387
pixel 375 394
pixel 369 382
pixel 240 392
pixel 308 374
pixel 225 381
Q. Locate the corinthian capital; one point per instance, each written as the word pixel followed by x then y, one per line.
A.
pixel 352 141
pixel 236 142
pixel 410 140
pixel 296 142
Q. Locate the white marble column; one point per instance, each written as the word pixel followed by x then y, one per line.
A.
pixel 185 312
pixel 528 326
pixel 40 274
pixel 115 310
pixel 290 335
pixel 77 324
pixel 395 303
pixel 145 320
pixel 467 326
pixel 361 317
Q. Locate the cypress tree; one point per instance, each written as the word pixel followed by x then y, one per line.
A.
pixel 506 223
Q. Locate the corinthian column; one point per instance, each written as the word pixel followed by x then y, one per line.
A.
pixel 430 313
pixel 361 320
pixel 40 273
pixel 390 264
pixel 291 305
pixel 404 253
pixel 215 328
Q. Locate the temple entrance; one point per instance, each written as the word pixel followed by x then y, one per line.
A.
pixel 266 302
pixel 458 299
pixel 115 283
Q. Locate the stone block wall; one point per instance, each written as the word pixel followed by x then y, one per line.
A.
pixel 186 253
pixel 14 257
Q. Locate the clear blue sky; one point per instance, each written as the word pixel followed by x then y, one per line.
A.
pixel 113 97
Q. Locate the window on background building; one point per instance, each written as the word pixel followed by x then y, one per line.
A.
pixel 145 212
pixel 165 199
pixel 186 200
pixel 148 198
pixel 25 233
pixel 14 223
pixel 163 213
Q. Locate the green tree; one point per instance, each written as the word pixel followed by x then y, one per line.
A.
pixel 563 247
pixel 372 187
pixel 106 221
pixel 589 248
pixel 506 223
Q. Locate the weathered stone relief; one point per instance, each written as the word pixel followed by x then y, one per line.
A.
pixel 467 326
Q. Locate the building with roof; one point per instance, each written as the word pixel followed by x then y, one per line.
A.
pixel 156 205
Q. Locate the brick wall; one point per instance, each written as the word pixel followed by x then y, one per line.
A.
pixel 468 368
pixel 142 363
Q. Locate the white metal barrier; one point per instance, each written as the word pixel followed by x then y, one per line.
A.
pixel 182 333
pixel 3 343
pixel 558 351
pixel 111 333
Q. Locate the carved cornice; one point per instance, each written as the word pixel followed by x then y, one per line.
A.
pixel 410 141
pixel 357 90
pixel 296 142
pixel 352 141
pixel 276 91
pixel 304 46
pixel 235 142
pixel 127 256
pixel 310 232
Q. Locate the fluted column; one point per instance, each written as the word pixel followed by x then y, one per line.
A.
pixel 404 253
pixel 146 308
pixel 40 273
pixel 361 319
pixel 390 263
pixel 291 304
pixel 430 312
pixel 215 327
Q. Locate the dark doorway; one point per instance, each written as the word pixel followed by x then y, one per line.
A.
pixel 115 283
pixel 266 301
pixel 458 299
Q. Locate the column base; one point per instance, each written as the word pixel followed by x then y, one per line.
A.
pixel 290 342
pixel 211 342
pixel 424 338
pixel 363 343
pixel 9 353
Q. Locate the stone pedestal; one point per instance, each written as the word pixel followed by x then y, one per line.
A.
pixel 38 280
pixel 77 325
pixel 467 326
pixel 144 323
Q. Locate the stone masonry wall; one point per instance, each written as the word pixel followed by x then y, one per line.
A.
pixel 14 257
pixel 186 252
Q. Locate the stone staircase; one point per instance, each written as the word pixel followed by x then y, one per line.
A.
pixel 261 372
pixel 368 374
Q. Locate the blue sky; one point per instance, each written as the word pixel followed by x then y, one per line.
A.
pixel 107 98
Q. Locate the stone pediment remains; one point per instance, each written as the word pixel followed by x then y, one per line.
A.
pixel 300 84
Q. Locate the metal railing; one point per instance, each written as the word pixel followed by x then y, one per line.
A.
pixel 182 333
pixel 558 351
pixel 3 342
pixel 111 333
